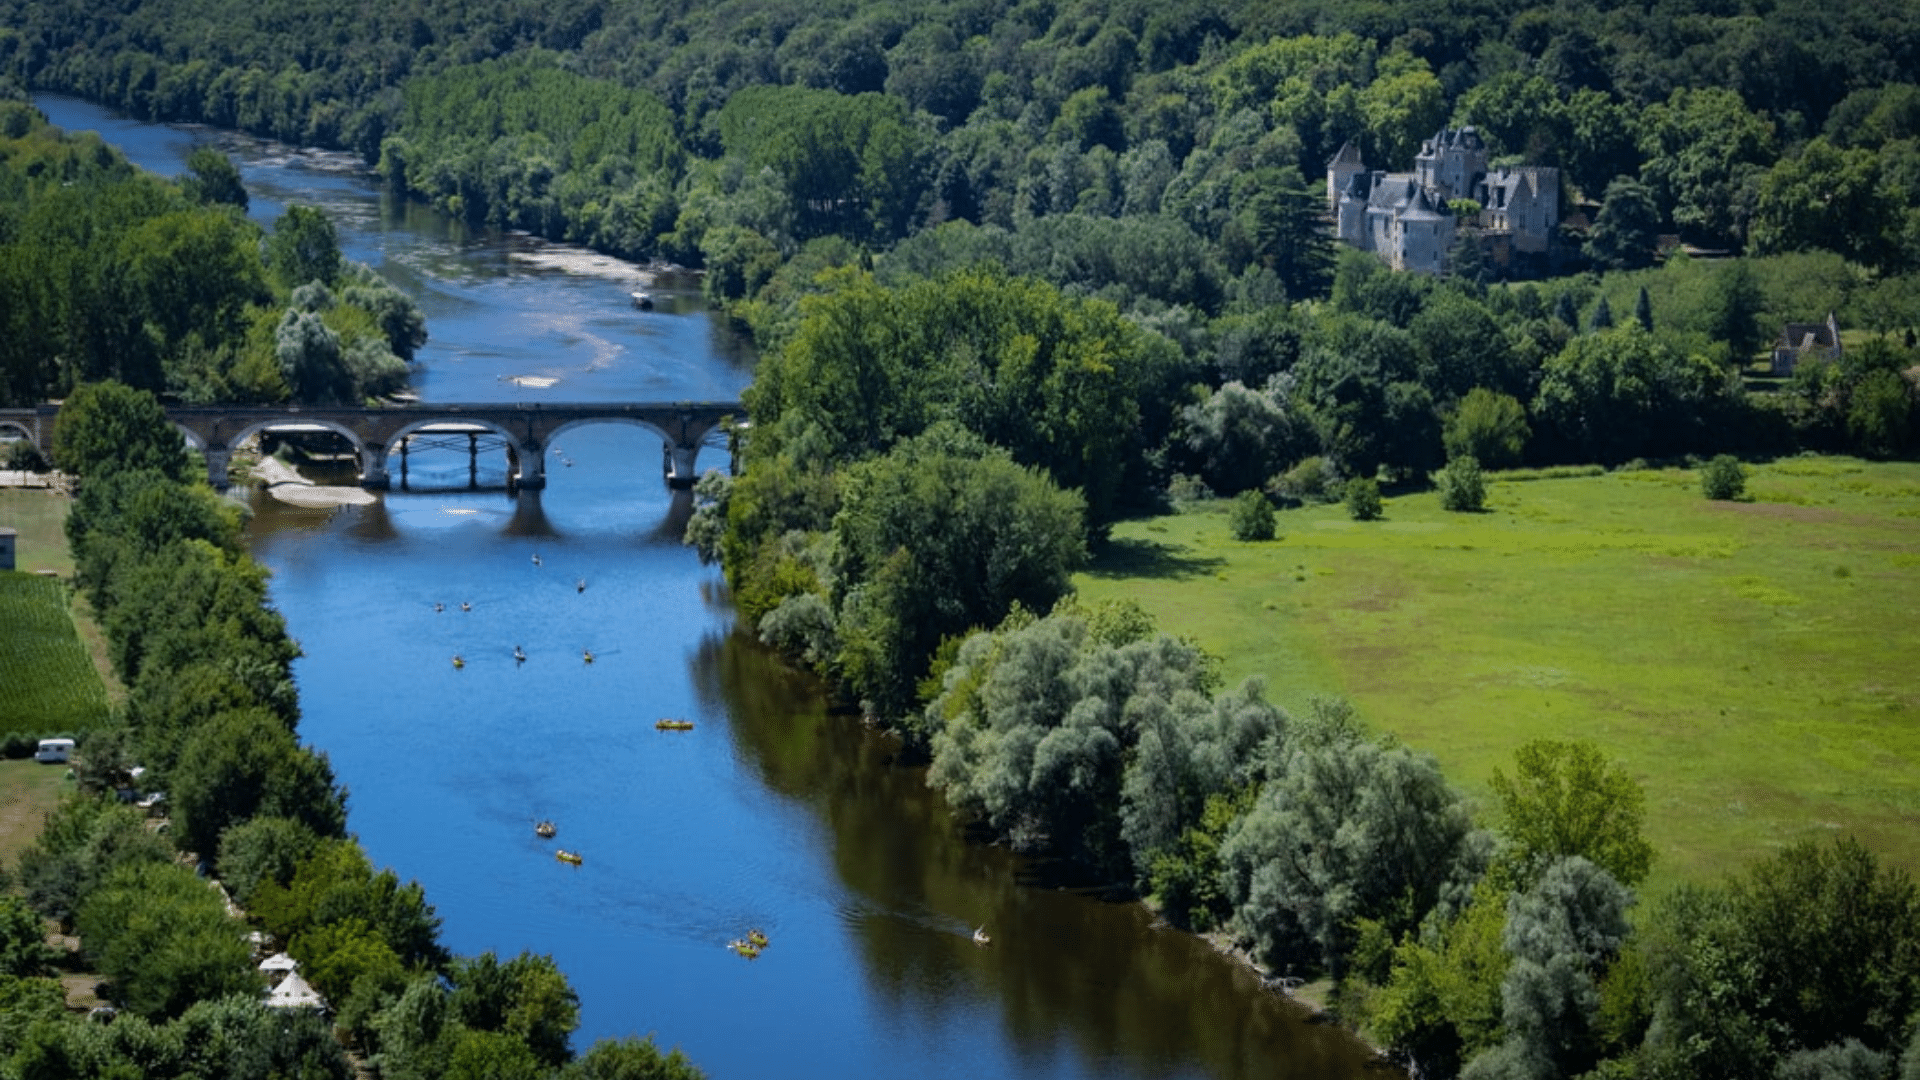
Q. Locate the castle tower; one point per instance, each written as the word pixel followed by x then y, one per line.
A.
pixel 1451 161
pixel 1340 173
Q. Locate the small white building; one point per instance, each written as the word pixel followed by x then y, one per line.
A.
pixel 294 993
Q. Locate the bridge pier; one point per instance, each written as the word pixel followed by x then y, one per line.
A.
pixel 218 458
pixel 532 475
pixel 373 467
pixel 682 471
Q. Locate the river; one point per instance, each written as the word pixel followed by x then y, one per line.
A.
pixel 771 813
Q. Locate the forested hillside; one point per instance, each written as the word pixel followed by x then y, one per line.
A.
pixel 1764 126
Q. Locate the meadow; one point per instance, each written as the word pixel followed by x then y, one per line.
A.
pixel 49 680
pixel 40 518
pixel 1750 662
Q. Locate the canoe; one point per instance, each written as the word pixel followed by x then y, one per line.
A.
pixel 566 856
pixel 665 724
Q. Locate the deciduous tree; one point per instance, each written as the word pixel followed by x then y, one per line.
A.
pixel 1566 799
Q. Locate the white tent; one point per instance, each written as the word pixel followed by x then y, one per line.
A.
pixel 278 962
pixel 294 993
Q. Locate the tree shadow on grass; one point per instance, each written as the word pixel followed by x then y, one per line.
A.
pixel 1150 559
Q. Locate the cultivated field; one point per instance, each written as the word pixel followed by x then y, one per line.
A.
pixel 1752 663
pixel 48 679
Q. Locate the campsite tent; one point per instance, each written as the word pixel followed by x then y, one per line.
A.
pixel 294 993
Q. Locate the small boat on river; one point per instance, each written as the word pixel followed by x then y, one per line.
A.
pixel 642 300
pixel 668 724
pixel 545 829
pixel 745 948
pixel 757 939
pixel 566 856
pixel 458 662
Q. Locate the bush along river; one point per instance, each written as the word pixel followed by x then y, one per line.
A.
pixel 770 813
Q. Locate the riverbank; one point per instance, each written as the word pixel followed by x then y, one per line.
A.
pixel 284 483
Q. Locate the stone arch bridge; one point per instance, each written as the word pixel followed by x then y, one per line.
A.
pixel 375 433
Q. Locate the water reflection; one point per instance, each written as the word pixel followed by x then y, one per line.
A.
pixel 1141 1001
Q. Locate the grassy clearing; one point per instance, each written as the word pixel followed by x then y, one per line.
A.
pixel 41 518
pixel 50 680
pixel 28 791
pixel 1750 662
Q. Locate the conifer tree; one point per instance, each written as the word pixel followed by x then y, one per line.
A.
pixel 1602 316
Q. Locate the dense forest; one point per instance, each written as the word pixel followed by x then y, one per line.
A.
pixel 110 273
pixel 1020 270
pixel 735 131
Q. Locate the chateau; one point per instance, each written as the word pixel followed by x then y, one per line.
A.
pixel 1404 217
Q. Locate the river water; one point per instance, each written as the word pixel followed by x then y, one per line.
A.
pixel 772 813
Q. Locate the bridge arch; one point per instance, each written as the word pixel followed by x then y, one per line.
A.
pixel 528 458
pixel 11 429
pixel 681 456
pixel 369 465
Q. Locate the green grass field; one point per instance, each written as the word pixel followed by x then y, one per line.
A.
pixel 28 791
pixel 40 518
pixel 47 679
pixel 1752 663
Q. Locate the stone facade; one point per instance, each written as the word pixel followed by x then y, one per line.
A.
pixel 1404 217
pixel 1806 341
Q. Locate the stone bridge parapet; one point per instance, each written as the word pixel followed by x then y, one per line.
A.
pixel 528 428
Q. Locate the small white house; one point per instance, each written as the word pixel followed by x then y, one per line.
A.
pixel 54 750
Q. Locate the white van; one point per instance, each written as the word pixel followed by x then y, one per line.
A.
pixel 54 750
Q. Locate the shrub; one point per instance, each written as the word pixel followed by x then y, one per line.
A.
pixel 1723 478
pixel 1251 517
pixel 23 456
pixel 1462 487
pixel 1488 426
pixel 1312 480
pixel 1363 499
pixel 1184 490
